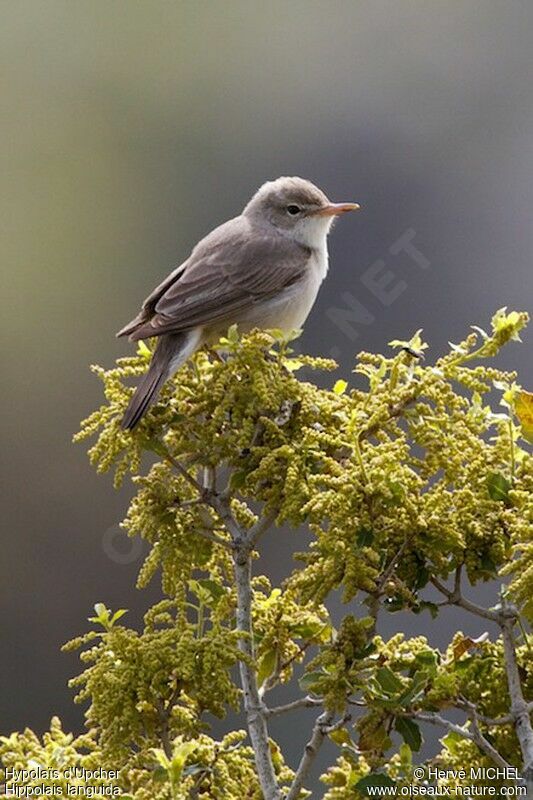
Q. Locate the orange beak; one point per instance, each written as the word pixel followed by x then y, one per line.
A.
pixel 333 209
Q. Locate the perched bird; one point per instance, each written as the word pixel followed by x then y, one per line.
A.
pixel 262 269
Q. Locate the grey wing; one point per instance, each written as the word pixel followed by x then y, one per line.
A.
pixel 148 307
pixel 235 266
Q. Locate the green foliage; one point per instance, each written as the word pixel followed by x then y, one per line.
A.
pixel 405 478
pixel 157 684
pixel 57 752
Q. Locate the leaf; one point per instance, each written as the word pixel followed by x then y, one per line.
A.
pixel 311 629
pixel 238 479
pixel 374 779
pixel 179 756
pixel 340 387
pixel 523 407
pixel 507 326
pixel 365 537
pixel 101 610
pixel 406 757
pixel 340 737
pixel 308 680
pixel 422 577
pixel 498 487
pixel 388 680
pixel 117 615
pixel 195 769
pixel 143 350
pixel 427 605
pixel 479 330
pixel 212 590
pixel 415 343
pixel 102 617
pixel 410 732
pixel 427 657
pixel 233 334
pixel 266 666
pixel 418 683
pixel 293 364
pixel 161 758
pixel 487 564
pixel 451 742
pixel 466 643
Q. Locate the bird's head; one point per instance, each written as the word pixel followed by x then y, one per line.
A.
pixel 297 208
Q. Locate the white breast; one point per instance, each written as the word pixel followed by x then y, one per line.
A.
pixel 292 308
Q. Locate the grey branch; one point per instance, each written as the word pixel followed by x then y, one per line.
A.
pixel 490 722
pixel 303 702
pixel 474 735
pixel 255 714
pixel 455 598
pixel 212 537
pixel 320 731
pixel 242 546
pixel 520 710
pixel 262 525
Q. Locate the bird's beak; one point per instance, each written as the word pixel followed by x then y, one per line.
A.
pixel 334 209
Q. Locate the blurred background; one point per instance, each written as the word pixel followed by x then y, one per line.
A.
pixel 130 129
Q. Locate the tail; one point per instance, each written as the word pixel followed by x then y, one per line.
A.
pixel 172 350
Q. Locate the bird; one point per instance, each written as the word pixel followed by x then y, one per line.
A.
pixel 261 269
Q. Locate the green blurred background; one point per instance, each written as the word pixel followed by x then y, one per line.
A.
pixel 128 130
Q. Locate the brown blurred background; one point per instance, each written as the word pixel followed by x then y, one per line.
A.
pixel 128 130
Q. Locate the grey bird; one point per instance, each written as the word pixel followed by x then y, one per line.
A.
pixel 262 269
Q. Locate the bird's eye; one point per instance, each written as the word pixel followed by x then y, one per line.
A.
pixel 293 210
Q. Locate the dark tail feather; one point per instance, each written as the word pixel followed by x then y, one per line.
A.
pixel 164 361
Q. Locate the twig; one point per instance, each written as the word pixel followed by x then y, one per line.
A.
pixel 222 507
pixel 394 411
pixel 457 581
pixel 391 566
pixel 185 474
pixel 303 702
pixel 312 747
pixel 337 725
pixel 456 599
pixel 261 526
pixel 474 736
pixel 373 601
pixel 490 722
pixel 212 537
pixel 273 679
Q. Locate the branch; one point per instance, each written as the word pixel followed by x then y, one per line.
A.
pixel 303 702
pixel 253 705
pixel 455 598
pixel 374 598
pixel 490 722
pixel 519 708
pixel 242 545
pixel 394 411
pixel 320 731
pixel 474 736
pixel 185 474
pixel 273 679
pixel 261 526
pixel 212 537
